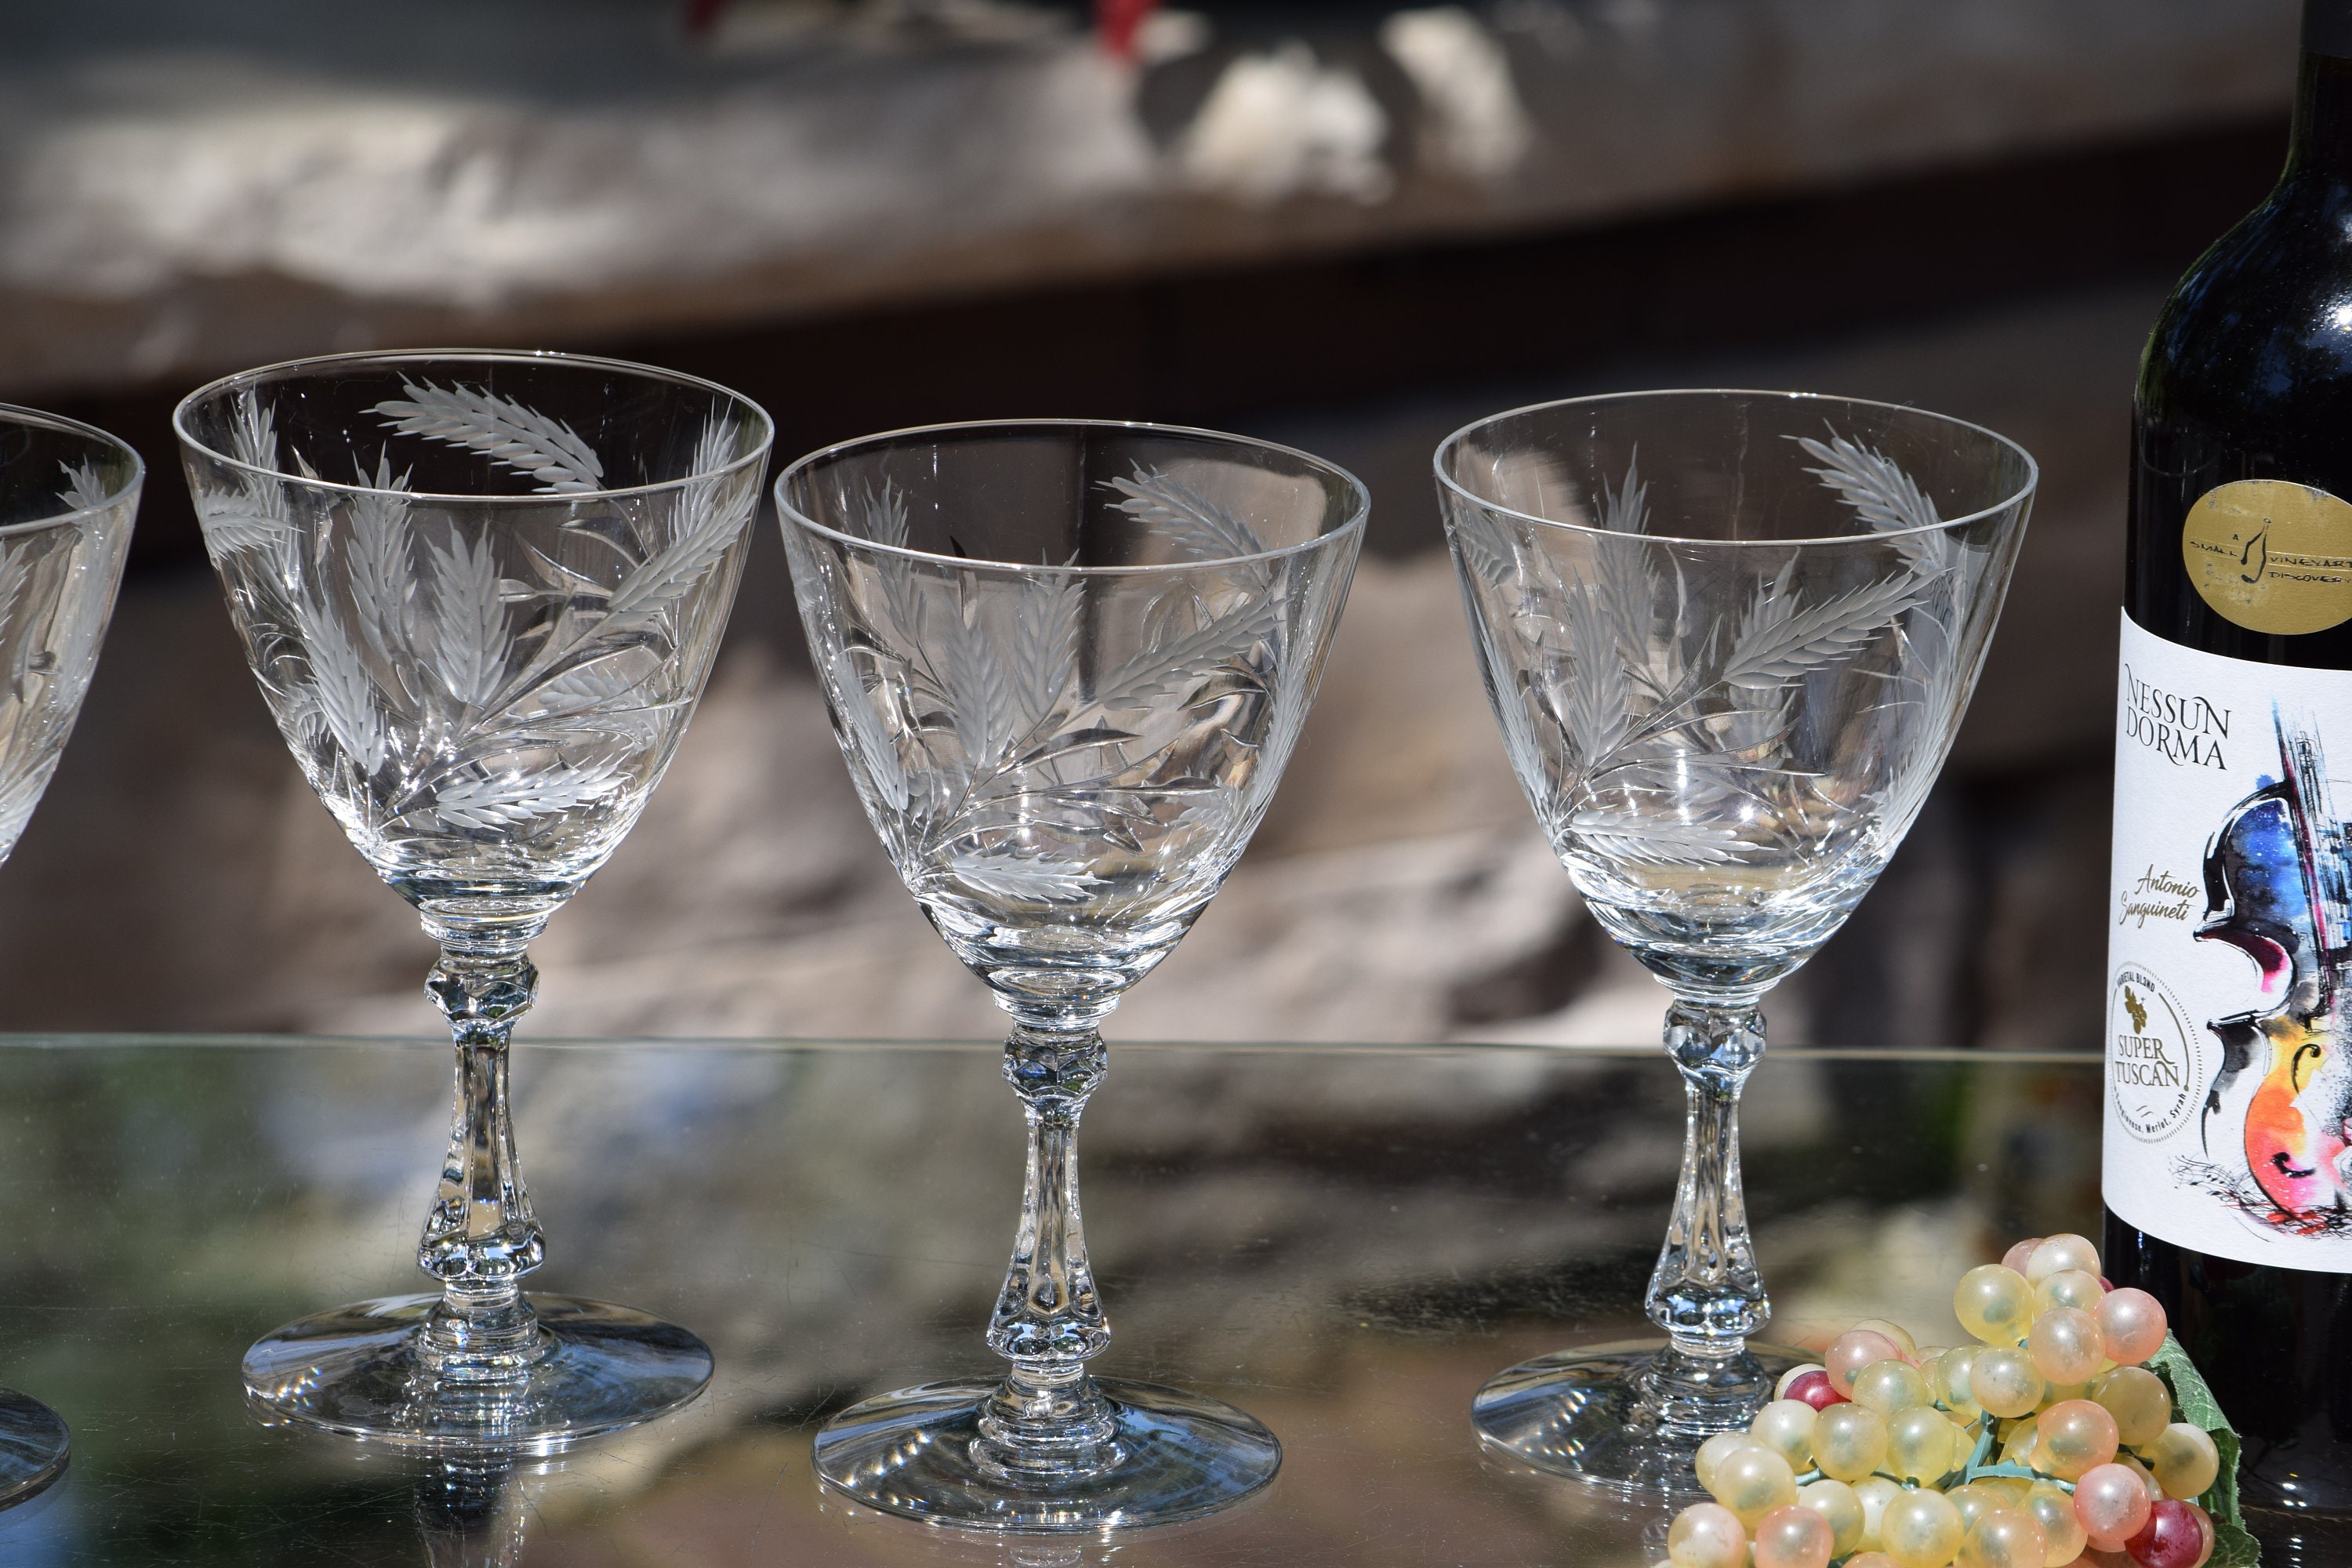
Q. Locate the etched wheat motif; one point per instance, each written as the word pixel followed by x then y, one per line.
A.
pixel 1034 767
pixel 1642 706
pixel 506 432
pixel 434 694
pixel 83 487
pixel 1184 516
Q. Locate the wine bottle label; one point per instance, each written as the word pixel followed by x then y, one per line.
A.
pixel 2270 555
pixel 2229 1034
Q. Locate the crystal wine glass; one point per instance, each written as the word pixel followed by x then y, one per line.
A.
pixel 1728 636
pixel 68 493
pixel 1067 661
pixel 481 593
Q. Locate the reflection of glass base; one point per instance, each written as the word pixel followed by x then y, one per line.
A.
pixel 33 1444
pixel 1593 1414
pixel 355 1371
pixel 918 1453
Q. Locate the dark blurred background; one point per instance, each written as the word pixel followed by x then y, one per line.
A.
pixel 1341 225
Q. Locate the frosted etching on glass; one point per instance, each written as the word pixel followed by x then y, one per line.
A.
pixel 481 594
pixel 1728 639
pixel 1062 819
pixel 1066 663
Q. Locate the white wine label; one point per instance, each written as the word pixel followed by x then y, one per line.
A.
pixel 2229 1036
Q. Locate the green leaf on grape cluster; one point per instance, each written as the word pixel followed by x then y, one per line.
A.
pixel 2233 1546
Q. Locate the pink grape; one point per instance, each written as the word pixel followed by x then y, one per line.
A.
pixel 1706 1535
pixel 2131 1325
pixel 1854 1350
pixel 2112 1504
pixel 2065 1345
pixel 2077 1438
pixel 1793 1537
pixel 2017 1256
pixel 2172 1537
pixel 2061 1252
pixel 1904 1345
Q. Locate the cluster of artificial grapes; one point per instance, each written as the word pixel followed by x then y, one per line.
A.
pixel 2046 1444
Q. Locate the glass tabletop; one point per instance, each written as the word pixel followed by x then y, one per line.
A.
pixel 1344 1241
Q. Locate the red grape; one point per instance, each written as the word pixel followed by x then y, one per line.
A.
pixel 1815 1389
pixel 2170 1539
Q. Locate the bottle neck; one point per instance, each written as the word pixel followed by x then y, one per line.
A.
pixel 2322 143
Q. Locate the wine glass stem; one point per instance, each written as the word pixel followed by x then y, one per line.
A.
pixel 1048 1417
pixel 481 1237
pixel 1706 1292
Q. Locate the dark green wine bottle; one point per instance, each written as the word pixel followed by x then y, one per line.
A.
pixel 2227 1159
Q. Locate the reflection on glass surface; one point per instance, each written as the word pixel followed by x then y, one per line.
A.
pixel 1344 1241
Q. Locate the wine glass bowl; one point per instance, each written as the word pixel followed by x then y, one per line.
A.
pixel 481 594
pixel 1729 637
pixel 67 496
pixel 1065 662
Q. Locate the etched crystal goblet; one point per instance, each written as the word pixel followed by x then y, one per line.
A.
pixel 1067 662
pixel 68 494
pixel 481 593
pixel 1728 636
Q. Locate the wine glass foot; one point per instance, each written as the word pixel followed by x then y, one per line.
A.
pixel 1594 1414
pixel 34 1444
pixel 918 1453
pixel 355 1371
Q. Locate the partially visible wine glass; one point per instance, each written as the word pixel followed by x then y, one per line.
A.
pixel 1067 662
pixel 1728 636
pixel 481 593
pixel 68 495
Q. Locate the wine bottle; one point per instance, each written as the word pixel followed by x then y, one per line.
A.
pixel 2226 1157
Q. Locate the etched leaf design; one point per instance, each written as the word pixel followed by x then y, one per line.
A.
pixel 1174 510
pixel 346 695
pixel 1171 660
pixel 1779 638
pixel 713 523
pixel 253 431
pixel 83 487
pixel 1881 495
pixel 1045 642
pixel 885 515
pixel 978 693
pixel 470 640
pixel 1600 695
pixel 1480 540
pixel 867 738
pixel 507 433
pixel 383 588
pixel 1624 586
pixel 255 516
pixel 1017 880
pixel 484 797
pixel 1656 840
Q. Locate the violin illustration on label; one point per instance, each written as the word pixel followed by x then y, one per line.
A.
pixel 2278 885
